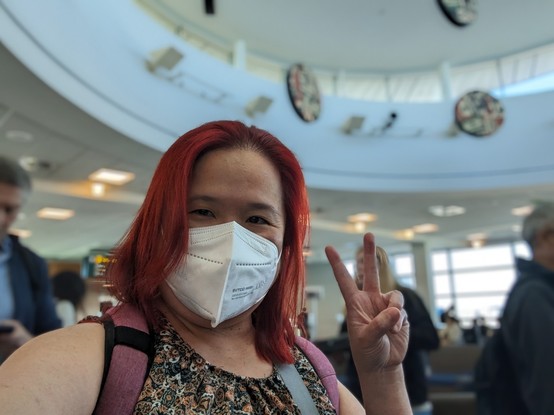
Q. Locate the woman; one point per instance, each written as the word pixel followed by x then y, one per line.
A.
pixel 224 194
pixel 423 334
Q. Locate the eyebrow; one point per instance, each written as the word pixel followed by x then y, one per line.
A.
pixel 252 205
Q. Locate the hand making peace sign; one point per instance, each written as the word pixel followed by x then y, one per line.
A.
pixel 377 323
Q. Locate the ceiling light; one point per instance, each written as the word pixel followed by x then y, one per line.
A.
pixel 352 124
pixel 21 233
pixel 522 210
pixel 55 213
pixel 98 189
pixel 404 234
pixel 475 236
pixel 477 240
pixel 360 227
pixel 19 136
pixel 477 243
pixel 425 228
pixel 446 211
pixel 362 217
pixel 258 105
pixel 110 176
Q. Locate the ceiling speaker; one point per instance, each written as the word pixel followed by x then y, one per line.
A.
pixel 352 124
pixel 258 105
pixel 164 58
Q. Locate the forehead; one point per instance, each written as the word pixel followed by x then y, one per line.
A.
pixel 239 173
pixel 11 195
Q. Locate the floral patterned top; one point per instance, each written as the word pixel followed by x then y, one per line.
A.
pixel 182 382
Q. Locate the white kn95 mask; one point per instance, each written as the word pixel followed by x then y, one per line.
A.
pixel 227 270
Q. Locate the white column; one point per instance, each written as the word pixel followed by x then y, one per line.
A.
pixel 444 72
pixel 424 276
pixel 239 54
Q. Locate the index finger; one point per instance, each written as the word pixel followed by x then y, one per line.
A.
pixel 371 273
pixel 345 281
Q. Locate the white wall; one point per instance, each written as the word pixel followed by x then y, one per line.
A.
pixel 332 303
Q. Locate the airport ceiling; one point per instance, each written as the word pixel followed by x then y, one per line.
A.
pixel 389 36
pixel 365 35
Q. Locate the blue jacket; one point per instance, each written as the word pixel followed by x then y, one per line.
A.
pixel 32 291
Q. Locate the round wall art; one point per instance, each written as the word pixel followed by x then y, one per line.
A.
pixel 459 12
pixel 478 113
pixel 304 92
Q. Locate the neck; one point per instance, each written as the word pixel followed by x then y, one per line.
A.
pixel 546 261
pixel 230 346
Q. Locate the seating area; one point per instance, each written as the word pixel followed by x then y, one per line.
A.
pixel 451 379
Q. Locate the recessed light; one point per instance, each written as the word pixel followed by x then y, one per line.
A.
pixel 477 243
pixel 55 213
pixel 522 210
pixel 362 217
pixel 359 227
pixel 405 234
pixel 19 136
pixel 477 236
pixel 110 176
pixel 425 228
pixel 98 189
pixel 447 211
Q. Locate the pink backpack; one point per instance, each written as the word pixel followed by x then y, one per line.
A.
pixel 129 353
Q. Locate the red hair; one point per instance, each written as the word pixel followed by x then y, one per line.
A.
pixel 154 244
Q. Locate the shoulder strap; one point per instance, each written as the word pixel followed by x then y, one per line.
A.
pixel 129 354
pixel 297 389
pixel 323 367
pixel 129 351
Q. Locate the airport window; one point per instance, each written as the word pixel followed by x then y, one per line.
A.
pixel 475 281
pixel 403 268
pixel 475 258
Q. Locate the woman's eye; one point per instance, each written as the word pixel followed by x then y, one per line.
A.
pixel 202 212
pixel 257 220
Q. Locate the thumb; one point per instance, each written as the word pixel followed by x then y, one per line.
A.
pixel 390 319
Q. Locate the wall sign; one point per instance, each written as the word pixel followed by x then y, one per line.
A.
pixel 479 114
pixel 304 92
pixel 459 12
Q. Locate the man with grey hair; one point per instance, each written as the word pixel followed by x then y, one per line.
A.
pixel 527 324
pixel 26 301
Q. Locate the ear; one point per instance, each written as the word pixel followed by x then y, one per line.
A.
pixel 543 237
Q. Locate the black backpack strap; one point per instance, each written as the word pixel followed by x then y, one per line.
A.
pixel 109 343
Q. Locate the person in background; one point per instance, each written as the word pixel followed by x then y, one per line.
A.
pixel 26 301
pixel 423 334
pixel 527 323
pixel 479 330
pixel 214 261
pixel 451 334
pixel 69 290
